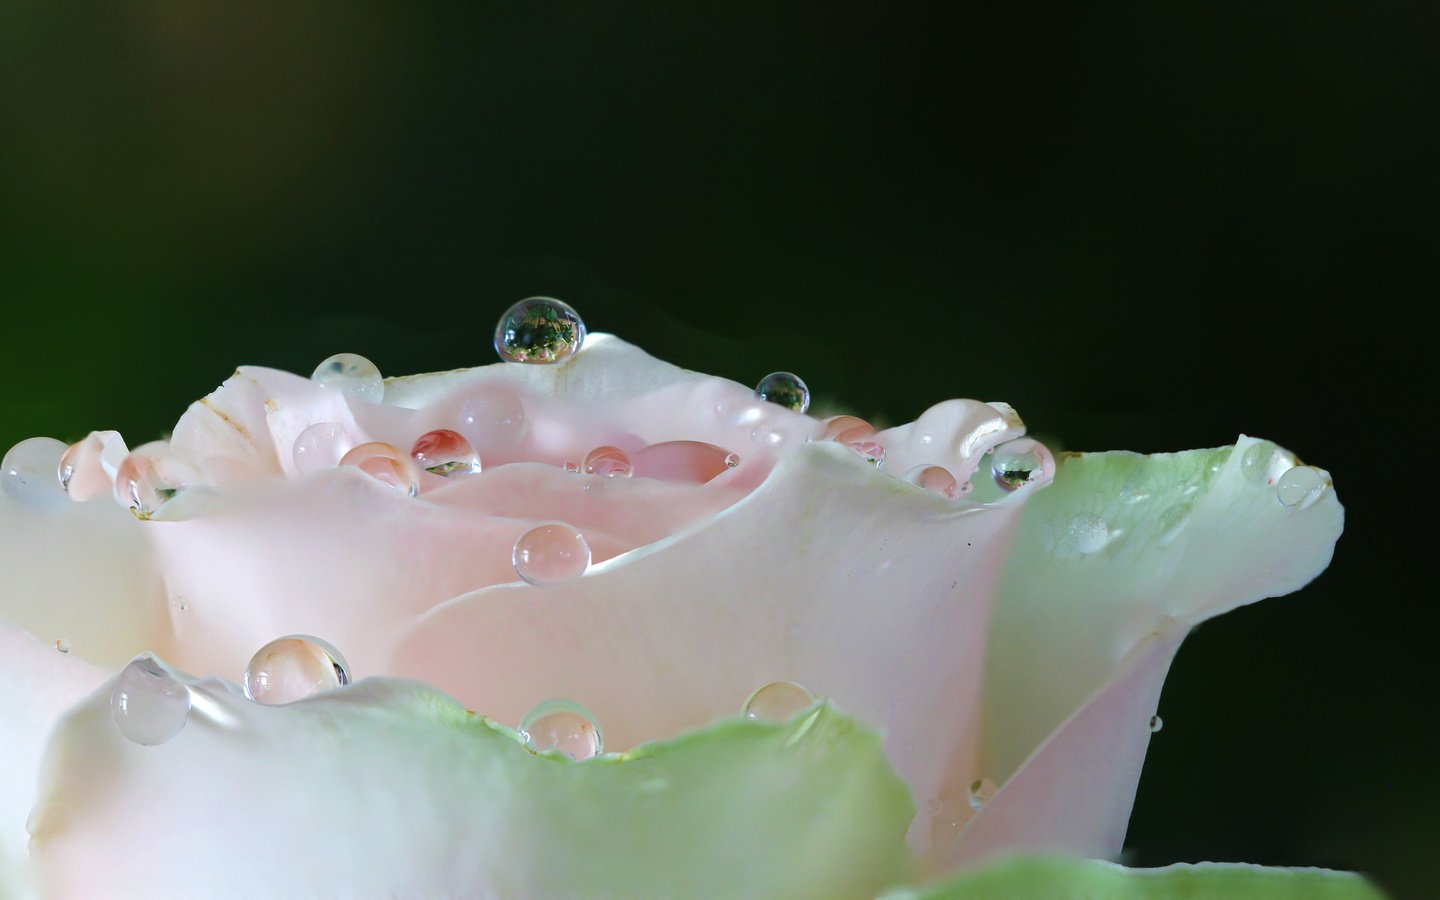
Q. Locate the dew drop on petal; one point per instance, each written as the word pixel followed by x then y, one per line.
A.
pixel 1255 464
pixel 320 446
pixel 1086 533
pixel 692 461
pixel 539 330
pixel 445 452
pixel 608 462
pixel 292 668
pixel 785 388
pixel 871 451
pixel 564 726
pixel 935 479
pixel 572 467
pixel 1017 463
pixel 1299 487
pixel 777 701
pixel 62 645
pixel 149 478
pixel 980 792
pixel 148 704
pixel 847 429
pixel 353 375
pixel 30 471
pixel 385 463
pixel 551 553
pixel 1156 723
pixel 87 468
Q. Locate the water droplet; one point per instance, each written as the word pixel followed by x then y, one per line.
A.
pixel 870 451
pixel 777 701
pixel 767 435
pixel 444 452
pixel 1299 487
pixel 87 469
pixel 292 668
pixel 320 446
pixel 491 417
pixel 62 645
pixel 1018 462
pixel 1156 723
pixel 385 463
pixel 1086 533
pixel 785 388
pixel 608 462
pixel 352 374
pixel 30 471
pixel 564 726
pixel 150 477
pixel 692 461
pixel 981 792
pixel 148 704
pixel 539 330
pixel 572 467
pixel 847 429
pixel 550 554
pixel 1255 465
pixel 732 460
pixel 935 479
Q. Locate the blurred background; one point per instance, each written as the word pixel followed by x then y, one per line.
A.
pixel 1147 227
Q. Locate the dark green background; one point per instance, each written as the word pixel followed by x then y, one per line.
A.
pixel 1147 227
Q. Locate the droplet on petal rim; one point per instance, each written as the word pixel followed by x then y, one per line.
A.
pixel 692 461
pixel 1299 487
pixel 564 726
pixel 352 374
pixel 871 451
pixel 30 471
pixel 1156 723
pixel 62 645
pixel 847 429
pixel 292 668
pixel 785 388
pixel 550 554
pixel 935 479
pixel 539 330
pixel 608 462
pixel 1257 462
pixel 777 701
pixel 320 446
pixel 572 467
pixel 385 463
pixel 149 706
pixel 1020 462
pixel 1086 533
pixel 980 792
pixel 445 453
pixel 150 477
pixel 87 469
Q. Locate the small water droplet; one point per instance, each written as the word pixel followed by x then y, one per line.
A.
pixel 353 375
pixel 564 726
pixel 385 463
pixel 1299 487
pixel 292 668
pixel 150 477
pixel 445 453
pixel 320 446
pixel 550 554
pixel 608 462
pixel 539 330
pixel 1086 533
pixel 935 479
pixel 1156 723
pixel 62 645
pixel 732 460
pixel 785 388
pixel 1017 463
pixel 777 701
pixel 1255 465
pixel 847 429
pixel 30 471
pixel 870 451
pixel 980 792
pixel 149 706
pixel 572 467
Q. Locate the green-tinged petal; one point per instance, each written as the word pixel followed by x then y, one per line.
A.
pixel 1040 878
pixel 389 788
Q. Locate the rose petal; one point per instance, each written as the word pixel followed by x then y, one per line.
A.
pixel 388 788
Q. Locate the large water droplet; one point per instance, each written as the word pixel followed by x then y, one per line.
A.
pixel 1156 723
pixel 384 462
pixel 777 701
pixel 1255 465
pixel 150 477
pixel 491 417
pixel 87 469
pixel 550 554
pixel 148 704
pixel 935 479
pixel 1017 463
pixel 539 330
pixel 564 726
pixel 1086 533
pixel 608 462
pixel 786 389
pixel 847 429
pixel 292 668
pixel 693 461
pixel 320 446
pixel 981 792
pixel 1299 487
pixel 353 374
pixel 30 471
pixel 444 452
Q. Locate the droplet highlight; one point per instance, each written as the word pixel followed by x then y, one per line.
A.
pixel 551 554
pixel 777 701
pixel 445 453
pixel 786 389
pixel 608 462
pixel 1299 487
pixel 30 471
pixel 539 330
pixel 980 793
pixel 352 374
pixel 148 704
pixel 292 668
pixel 385 463
pixel 565 727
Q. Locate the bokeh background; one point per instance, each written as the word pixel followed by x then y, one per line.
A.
pixel 1147 226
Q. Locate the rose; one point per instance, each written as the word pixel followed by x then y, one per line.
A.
pixel 1012 651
